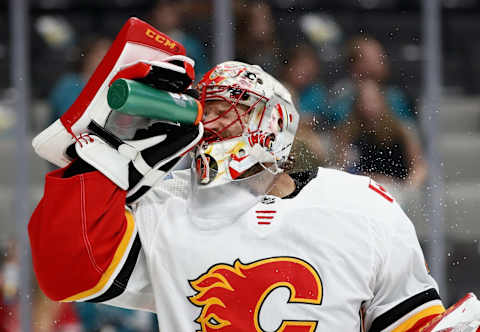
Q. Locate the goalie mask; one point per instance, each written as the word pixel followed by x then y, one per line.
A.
pixel 250 124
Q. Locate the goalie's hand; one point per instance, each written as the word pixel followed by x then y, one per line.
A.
pixel 473 326
pixel 463 316
pixel 174 74
pixel 136 165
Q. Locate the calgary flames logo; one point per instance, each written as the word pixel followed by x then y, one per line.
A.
pixel 231 296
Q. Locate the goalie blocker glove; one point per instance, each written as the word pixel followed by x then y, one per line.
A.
pixel 137 164
pixel 463 316
pixel 134 165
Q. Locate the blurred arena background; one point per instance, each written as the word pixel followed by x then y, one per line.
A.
pixel 432 50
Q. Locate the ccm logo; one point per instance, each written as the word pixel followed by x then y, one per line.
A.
pixel 160 39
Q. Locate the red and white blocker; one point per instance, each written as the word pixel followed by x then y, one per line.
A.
pixel 136 50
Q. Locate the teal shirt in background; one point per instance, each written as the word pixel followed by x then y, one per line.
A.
pixel 397 100
pixel 64 93
pixel 313 102
pixel 195 50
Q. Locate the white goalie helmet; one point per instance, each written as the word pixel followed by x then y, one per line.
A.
pixel 265 119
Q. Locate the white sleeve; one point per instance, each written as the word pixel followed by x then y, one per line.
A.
pixel 150 210
pixel 138 293
pixel 404 292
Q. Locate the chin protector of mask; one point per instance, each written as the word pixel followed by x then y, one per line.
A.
pixel 228 199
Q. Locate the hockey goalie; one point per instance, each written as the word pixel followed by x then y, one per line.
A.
pixel 235 242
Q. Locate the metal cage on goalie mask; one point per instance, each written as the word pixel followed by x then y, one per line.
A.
pixel 255 126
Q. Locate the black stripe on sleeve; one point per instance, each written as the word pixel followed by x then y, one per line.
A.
pixel 391 316
pixel 121 280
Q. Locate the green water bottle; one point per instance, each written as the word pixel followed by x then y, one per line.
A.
pixel 138 99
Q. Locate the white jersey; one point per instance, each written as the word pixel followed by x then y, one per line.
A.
pixel 338 255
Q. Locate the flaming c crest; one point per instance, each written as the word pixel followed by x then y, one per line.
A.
pixel 231 296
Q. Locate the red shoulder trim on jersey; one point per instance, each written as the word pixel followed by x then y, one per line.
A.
pixel 77 232
pixel 108 277
pixel 379 189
